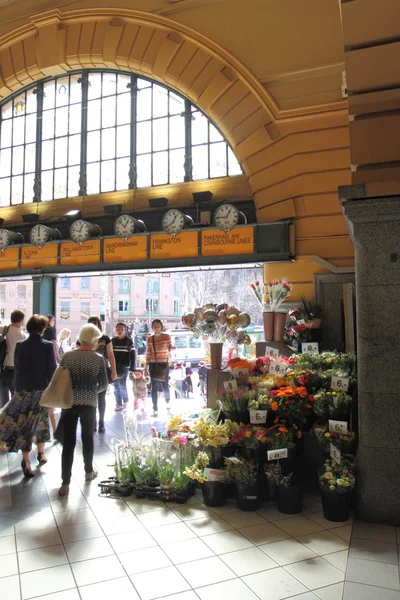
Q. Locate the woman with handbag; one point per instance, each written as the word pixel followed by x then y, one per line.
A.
pixel 157 354
pixel 104 347
pixel 88 375
pixel 23 418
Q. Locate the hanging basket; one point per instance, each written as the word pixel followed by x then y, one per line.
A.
pixel 213 493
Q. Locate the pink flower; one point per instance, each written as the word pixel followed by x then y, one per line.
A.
pixel 183 440
pixel 154 432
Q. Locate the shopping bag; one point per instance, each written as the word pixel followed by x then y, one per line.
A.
pixel 59 391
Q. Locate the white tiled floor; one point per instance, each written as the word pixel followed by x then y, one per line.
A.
pixel 89 548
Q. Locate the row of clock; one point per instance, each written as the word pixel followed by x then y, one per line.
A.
pixel 226 217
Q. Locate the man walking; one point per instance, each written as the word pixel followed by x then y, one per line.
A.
pixel 125 360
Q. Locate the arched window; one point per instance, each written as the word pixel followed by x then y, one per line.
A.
pixel 104 131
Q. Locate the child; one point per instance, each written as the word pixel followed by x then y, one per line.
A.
pixel 139 384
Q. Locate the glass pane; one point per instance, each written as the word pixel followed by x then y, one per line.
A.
pixel 18 160
pixel 48 124
pixel 48 154
pixel 5 192
pixel 215 135
pixel 199 128
pixel 200 162
pixel 123 140
pixel 143 137
pixel 31 102
pixel 47 185
pixel 122 84
pixel 62 121
pixel 108 176
pixel 17 184
pixel 218 166
pixel 93 115
pixel 94 85
pixel 6 130
pixel 108 112
pixel 109 84
pixel 30 128
pixel 123 109
pixel 19 105
pixel 48 98
pixel 30 158
pixel 29 181
pixel 144 104
pixel 144 170
pixel 75 90
pixel 18 130
pixel 61 152
pixel 5 162
pixel 74 150
pixel 73 182
pixel 160 134
pixel 75 118
pixel 108 143
pixel 176 166
pixel 6 111
pixel 177 132
pixel 176 104
pixel 60 183
pixel 160 101
pixel 62 85
pixel 93 178
pixel 122 174
pixel 160 168
pixel 233 165
pixel 93 146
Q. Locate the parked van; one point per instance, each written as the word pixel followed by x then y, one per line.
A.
pixel 188 348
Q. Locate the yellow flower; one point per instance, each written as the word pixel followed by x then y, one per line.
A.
pixel 248 434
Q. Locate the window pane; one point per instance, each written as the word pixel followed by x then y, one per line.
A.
pixel 199 128
pixel 75 118
pixel 144 170
pixel 6 110
pixel 94 85
pixel 29 181
pixel 233 165
pixel 5 191
pixel 30 155
pixel 61 152
pixel 18 160
pixel 93 178
pixel 108 144
pixel 17 184
pixel 176 104
pixel 218 166
pixel 200 162
pixel 31 102
pixel 6 131
pixel 30 128
pixel 122 174
pixel 108 176
pixel 49 94
pixel 176 166
pixel 73 182
pixel 60 183
pixel 143 83
pixel 48 124
pixel 143 137
pixel 160 168
pixel 93 115
pixel 177 132
pixel 144 104
pixel 75 94
pixel 47 154
pixel 62 95
pixel 160 101
pixel 108 112
pixel 123 109
pixel 5 162
pixel 93 146
pixel 122 84
pixel 47 185
pixel 160 134
pixel 109 84
pixel 215 135
pixel 74 150
pixel 62 121
pixel 18 130
pixel 123 140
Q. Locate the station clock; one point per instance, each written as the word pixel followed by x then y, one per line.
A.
pixel 41 234
pixel 126 225
pixel 174 221
pixel 80 231
pixel 10 237
pixel 227 216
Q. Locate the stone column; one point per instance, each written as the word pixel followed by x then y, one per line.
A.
pixel 375 227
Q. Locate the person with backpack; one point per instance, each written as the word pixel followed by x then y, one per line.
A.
pixel 125 360
pixel 11 335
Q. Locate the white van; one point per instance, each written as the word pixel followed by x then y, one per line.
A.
pixel 188 348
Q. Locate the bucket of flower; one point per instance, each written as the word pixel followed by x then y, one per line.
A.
pixel 213 438
pixel 243 474
pixel 337 484
pixel 344 441
pixel 210 479
pixel 332 404
pixel 234 405
pixel 289 495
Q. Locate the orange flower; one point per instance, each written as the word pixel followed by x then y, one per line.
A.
pixel 295 426
pixel 308 405
pixel 275 406
pixel 311 398
pixel 283 429
pixel 299 434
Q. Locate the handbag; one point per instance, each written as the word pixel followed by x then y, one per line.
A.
pixel 58 393
pixel 158 370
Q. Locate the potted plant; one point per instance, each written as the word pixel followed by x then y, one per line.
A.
pixel 213 491
pixel 244 475
pixel 336 484
pixel 289 495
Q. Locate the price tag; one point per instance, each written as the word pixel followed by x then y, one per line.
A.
pixel 271 352
pixel 234 460
pixel 213 474
pixel 258 416
pixel 240 373
pixel 335 453
pixel 277 368
pixel 311 347
pixel 340 383
pixel 338 427
pixel 231 385
pixel 277 454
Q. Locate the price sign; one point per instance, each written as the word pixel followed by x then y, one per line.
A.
pixel 311 347
pixel 213 474
pixel 231 385
pixel 277 368
pixel 338 427
pixel 335 453
pixel 258 416
pixel 277 454
pixel 271 352
pixel 234 460
pixel 240 373
pixel 340 383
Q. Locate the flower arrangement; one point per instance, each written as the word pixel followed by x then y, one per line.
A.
pixel 256 289
pixel 296 327
pixel 343 442
pixel 331 403
pixel 210 433
pixel 243 472
pixel 218 323
pixel 240 363
pixel 196 471
pixel 292 402
pixel 337 478
pixel 249 436
pixel 278 290
pixel 261 366
pixel 261 402
pixel 304 377
pixel 235 401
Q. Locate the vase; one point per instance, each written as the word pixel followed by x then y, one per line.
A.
pixel 247 497
pixel 268 320
pixel 216 354
pixel 279 326
pixel 213 493
pixel 336 507
pixel 289 499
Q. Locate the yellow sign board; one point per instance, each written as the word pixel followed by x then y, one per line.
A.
pixel 219 243
pixel 33 258
pixel 183 245
pixel 9 258
pixel 117 250
pixel 87 253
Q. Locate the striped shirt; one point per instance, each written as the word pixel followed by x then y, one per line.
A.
pixel 163 345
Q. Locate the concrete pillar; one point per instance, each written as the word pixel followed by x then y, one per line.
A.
pixel 375 227
pixel 44 295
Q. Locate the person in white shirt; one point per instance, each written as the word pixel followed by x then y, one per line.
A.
pixel 13 335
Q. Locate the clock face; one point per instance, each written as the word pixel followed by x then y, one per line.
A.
pixel 5 238
pixel 124 226
pixel 80 231
pixel 39 235
pixel 173 221
pixel 226 217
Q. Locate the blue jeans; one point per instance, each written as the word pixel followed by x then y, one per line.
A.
pixel 120 391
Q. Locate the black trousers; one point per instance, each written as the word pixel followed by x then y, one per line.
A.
pixel 87 416
pixel 157 386
pixel 6 386
pixel 101 398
